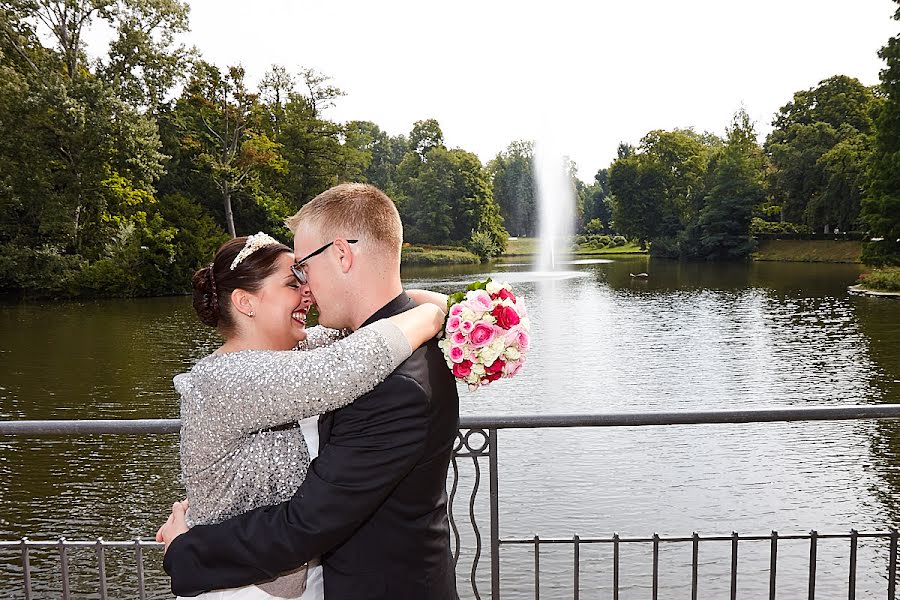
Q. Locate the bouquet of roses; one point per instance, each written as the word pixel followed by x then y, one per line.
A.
pixel 486 333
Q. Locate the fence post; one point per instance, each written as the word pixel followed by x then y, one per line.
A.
pixel 495 515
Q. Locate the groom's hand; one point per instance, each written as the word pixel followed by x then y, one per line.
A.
pixel 175 525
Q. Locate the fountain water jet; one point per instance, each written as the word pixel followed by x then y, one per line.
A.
pixel 556 206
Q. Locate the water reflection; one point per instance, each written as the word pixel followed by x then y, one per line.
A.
pixel 689 336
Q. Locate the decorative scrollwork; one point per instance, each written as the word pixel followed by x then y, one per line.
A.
pixel 474 442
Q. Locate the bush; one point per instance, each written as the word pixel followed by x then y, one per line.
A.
pixel 619 241
pixel 883 253
pixel 594 227
pixel 418 256
pixel 484 246
pixel 885 280
pixel 593 241
pixel 42 272
pixel 761 227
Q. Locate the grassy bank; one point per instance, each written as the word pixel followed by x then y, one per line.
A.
pixel 529 247
pixel 436 255
pixel 882 280
pixel 829 251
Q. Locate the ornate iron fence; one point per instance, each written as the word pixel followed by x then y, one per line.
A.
pixel 477 440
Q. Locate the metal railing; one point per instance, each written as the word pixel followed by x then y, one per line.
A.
pixel 477 439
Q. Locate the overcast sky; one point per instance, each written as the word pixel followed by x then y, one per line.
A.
pixel 593 72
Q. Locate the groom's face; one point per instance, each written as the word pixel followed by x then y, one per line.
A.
pixel 321 277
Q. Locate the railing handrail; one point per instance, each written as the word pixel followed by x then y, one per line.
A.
pixel 622 419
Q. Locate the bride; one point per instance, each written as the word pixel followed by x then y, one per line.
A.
pixel 247 442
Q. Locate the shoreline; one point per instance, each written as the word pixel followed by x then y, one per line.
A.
pixel 859 289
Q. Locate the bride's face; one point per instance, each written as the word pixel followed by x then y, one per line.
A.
pixel 280 308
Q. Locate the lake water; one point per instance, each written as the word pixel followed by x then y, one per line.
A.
pixel 689 337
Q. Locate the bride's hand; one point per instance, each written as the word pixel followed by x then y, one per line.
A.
pixel 175 525
pixel 429 297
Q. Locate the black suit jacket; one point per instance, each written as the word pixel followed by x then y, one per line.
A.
pixel 373 505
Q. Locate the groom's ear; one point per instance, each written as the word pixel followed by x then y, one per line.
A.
pixel 345 254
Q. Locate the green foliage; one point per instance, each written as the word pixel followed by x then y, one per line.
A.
pixel 736 175
pixel 594 227
pixel 886 280
pixel 597 201
pixel 429 256
pixel 881 253
pixel 881 205
pixel 512 178
pixel 759 226
pixel 658 190
pixel 820 148
pixel 445 196
pixel 484 246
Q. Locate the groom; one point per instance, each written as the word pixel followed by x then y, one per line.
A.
pixel 374 503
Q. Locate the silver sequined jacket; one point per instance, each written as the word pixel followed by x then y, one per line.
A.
pixel 234 455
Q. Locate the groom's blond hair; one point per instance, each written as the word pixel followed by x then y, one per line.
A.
pixel 352 210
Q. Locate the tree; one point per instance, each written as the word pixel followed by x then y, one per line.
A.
pixel 379 152
pixel 737 185
pixel 597 200
pixel 144 61
pixel 881 206
pixel 221 132
pixel 512 180
pixel 638 189
pixel 812 187
pixel 425 135
pixel 658 189
pixel 446 199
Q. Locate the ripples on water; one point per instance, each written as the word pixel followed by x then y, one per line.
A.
pixel 688 338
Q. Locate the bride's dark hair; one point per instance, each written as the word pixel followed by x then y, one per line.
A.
pixel 214 283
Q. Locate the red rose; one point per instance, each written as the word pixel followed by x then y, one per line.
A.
pixel 493 376
pixel 507 317
pixel 462 369
pixel 505 294
pixel 495 367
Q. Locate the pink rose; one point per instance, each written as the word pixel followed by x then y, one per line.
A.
pixel 453 322
pixel 458 338
pixel 466 327
pixel 456 354
pixel 480 301
pixel 455 310
pixel 517 336
pixel 482 334
pixel 462 369
pixel 512 367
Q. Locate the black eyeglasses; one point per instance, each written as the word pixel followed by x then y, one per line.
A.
pixel 297 267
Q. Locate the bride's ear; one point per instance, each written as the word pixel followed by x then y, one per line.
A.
pixel 243 301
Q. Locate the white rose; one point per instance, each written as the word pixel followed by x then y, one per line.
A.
pixel 489 355
pixel 512 353
pixel 478 369
pixel 488 318
pixel 467 314
pixel 493 287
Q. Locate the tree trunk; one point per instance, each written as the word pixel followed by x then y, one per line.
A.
pixel 229 215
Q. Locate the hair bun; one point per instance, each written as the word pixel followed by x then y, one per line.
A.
pixel 206 296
